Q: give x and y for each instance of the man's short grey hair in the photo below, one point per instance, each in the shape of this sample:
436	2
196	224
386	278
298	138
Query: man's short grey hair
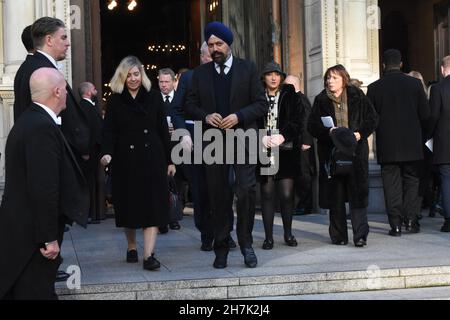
84	88
446	62
167	71
43	27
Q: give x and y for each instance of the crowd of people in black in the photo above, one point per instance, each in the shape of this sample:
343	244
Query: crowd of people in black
59	147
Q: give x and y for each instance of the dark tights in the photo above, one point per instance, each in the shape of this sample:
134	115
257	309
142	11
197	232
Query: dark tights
285	191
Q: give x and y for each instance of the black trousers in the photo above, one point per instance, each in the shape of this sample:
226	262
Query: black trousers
220	201
338	215
401	191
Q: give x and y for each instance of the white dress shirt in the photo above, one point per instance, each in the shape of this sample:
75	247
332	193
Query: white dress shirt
170	95
228	64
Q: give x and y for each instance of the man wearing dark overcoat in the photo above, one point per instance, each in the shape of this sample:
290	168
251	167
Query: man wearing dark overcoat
403	110
44	190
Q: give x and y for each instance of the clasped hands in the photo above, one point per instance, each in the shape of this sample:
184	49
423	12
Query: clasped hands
273	141
216	120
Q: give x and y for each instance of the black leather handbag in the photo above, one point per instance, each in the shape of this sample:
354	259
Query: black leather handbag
341	164
175	207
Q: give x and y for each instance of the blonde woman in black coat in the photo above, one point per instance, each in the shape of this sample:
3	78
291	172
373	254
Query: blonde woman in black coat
349	108
136	143
284	122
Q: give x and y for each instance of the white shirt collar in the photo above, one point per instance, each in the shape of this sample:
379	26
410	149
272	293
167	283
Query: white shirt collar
92	102
171	95
228	64
49	57
55	118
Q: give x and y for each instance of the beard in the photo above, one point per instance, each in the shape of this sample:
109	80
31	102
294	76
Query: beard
219	57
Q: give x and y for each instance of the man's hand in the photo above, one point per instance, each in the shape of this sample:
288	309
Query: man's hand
186	143
106	160
171	170
214	120
86	157
306	147
229	122
357	136
51	250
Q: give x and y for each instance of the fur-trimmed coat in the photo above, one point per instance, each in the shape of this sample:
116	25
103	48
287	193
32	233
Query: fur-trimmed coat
362	118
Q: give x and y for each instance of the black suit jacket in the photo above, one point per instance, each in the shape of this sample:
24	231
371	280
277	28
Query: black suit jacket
44	189
75	123
95	122
402	106
247	97
179	100
440	121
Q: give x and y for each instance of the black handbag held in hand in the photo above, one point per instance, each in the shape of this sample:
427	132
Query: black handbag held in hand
341	164
175	207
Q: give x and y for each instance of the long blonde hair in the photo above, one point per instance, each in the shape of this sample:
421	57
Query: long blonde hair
120	76
418	75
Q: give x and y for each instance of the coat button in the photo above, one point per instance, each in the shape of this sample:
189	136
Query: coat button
145	131
131	147
147	145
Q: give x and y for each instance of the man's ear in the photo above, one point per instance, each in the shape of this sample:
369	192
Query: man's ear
401	65
48	40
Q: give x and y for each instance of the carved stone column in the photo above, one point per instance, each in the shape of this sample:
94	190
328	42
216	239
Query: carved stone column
17	14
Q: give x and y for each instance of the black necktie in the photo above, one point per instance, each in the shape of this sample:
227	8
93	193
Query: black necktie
222	69
167	101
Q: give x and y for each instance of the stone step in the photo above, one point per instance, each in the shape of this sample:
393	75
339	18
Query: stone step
266	286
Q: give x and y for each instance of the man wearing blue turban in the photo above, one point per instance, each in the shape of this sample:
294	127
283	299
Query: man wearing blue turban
227	94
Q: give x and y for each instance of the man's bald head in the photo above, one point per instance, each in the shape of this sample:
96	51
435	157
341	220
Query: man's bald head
48	87
294	80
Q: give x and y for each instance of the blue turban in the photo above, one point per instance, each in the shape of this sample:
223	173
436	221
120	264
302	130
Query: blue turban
219	30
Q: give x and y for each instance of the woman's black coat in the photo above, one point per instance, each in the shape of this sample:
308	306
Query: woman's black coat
290	124
137	137
362	118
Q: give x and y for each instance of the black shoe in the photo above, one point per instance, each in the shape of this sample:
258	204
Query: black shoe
360	243
151	263
231	243
62	276
249	257
340	243
395	232
290	241
221	258
132	256
174	225
163	229
206	246
446	226
268	244
302	211
413	226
